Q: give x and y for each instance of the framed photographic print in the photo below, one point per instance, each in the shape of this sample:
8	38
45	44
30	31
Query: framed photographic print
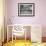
26	9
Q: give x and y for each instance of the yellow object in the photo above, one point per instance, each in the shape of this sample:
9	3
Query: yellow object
18	43
23	43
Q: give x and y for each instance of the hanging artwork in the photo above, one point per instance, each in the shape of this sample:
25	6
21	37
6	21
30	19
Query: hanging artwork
26	9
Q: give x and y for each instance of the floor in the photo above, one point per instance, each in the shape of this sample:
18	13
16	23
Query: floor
18	43
23	43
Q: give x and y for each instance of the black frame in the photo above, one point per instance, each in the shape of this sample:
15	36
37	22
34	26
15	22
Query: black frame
26	15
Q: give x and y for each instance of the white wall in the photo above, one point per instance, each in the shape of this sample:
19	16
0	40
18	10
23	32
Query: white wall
1	20
40	13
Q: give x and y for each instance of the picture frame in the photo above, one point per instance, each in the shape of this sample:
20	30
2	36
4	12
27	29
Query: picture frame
26	9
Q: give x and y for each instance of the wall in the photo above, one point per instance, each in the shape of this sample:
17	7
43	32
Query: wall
1	20
39	18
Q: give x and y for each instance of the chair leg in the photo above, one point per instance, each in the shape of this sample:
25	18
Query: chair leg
2	44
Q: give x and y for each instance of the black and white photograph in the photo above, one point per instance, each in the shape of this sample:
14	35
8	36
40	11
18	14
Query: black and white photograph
26	9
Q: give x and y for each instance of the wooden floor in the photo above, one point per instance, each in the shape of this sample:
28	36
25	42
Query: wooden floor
18	43
23	43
